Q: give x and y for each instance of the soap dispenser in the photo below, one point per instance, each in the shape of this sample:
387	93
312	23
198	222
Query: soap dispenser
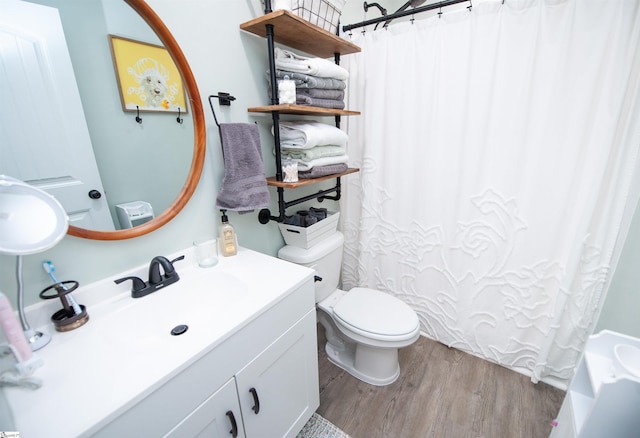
228	240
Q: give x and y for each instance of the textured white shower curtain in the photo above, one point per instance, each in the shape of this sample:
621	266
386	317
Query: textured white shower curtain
498	150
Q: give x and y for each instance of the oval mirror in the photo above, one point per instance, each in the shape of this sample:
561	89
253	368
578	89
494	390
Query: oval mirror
151	156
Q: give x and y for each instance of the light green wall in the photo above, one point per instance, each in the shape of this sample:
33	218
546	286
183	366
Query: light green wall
621	310
223	58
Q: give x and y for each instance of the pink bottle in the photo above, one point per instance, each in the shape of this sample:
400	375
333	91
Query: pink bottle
12	329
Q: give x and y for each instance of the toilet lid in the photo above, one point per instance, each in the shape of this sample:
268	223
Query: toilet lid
376	312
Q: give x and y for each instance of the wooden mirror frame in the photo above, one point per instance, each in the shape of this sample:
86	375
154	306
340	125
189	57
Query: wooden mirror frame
152	19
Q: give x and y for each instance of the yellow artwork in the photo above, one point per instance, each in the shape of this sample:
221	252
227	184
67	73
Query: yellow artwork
148	79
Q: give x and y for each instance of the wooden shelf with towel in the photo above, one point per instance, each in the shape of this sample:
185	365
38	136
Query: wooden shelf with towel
302	35
272	181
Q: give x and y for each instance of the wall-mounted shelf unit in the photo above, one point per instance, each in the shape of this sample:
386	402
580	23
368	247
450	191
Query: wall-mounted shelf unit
297	33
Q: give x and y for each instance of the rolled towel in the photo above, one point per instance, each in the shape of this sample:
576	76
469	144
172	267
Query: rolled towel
320	171
305	134
322	68
244	186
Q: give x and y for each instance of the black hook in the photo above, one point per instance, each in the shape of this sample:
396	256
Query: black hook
178	119
138	119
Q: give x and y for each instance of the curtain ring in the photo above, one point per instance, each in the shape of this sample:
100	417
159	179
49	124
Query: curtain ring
440	12
470	6
178	119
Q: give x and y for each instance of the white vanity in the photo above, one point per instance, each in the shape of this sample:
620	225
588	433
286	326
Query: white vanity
247	365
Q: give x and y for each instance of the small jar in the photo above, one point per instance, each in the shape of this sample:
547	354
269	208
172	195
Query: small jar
286	91
290	171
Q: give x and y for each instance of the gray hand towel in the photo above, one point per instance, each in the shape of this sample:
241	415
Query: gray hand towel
244	186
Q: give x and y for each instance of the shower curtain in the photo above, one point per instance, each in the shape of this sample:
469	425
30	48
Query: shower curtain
498	150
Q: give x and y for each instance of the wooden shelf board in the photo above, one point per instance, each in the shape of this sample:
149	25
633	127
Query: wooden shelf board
303	110
297	33
271	181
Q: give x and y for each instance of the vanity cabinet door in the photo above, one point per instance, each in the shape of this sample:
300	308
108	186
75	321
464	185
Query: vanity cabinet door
217	417
278	390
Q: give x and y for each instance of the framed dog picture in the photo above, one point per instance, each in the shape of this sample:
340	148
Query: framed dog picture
148	79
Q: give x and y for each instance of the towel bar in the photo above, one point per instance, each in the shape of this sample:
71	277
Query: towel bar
264	216
224	99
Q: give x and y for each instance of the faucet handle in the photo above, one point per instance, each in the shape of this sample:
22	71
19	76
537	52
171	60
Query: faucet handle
171	271
177	259
137	283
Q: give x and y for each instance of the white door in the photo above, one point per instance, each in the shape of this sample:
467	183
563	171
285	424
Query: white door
218	417
44	138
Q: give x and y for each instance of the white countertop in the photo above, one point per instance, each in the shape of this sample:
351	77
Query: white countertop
125	351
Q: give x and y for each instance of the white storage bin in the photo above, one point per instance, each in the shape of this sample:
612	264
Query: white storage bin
306	237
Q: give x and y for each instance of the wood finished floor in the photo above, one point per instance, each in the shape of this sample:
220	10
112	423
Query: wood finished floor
443	393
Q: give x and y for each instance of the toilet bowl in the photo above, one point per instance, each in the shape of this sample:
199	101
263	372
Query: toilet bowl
364	327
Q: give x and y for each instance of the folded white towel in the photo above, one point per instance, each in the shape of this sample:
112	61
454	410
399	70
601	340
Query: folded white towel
322	68
305	134
304	166
314	153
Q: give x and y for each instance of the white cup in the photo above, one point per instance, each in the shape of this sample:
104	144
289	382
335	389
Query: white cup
206	252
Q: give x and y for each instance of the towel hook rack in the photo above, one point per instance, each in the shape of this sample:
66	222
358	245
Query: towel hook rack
224	99
179	119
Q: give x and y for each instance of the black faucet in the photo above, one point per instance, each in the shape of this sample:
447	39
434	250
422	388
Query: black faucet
157	280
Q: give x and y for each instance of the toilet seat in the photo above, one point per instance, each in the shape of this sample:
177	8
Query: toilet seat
376	315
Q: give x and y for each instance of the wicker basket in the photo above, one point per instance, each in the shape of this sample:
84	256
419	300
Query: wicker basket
322	13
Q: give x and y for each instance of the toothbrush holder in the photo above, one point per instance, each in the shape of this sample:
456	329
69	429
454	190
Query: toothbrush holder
65	319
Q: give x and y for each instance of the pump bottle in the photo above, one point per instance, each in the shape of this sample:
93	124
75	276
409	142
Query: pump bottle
228	240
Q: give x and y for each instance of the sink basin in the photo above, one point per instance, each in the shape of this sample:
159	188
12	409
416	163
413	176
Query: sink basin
627	359
146	323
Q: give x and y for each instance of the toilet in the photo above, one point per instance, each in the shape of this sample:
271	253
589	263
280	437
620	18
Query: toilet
364	327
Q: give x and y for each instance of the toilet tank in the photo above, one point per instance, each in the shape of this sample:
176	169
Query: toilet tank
325	258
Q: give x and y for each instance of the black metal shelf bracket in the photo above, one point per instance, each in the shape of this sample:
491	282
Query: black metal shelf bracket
264	216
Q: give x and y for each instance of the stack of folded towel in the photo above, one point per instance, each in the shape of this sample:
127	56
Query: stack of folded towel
318	148
319	82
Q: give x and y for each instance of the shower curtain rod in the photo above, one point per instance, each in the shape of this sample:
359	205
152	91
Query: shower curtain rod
404	13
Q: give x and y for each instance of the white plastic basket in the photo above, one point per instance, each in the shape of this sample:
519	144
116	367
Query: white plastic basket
306	237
